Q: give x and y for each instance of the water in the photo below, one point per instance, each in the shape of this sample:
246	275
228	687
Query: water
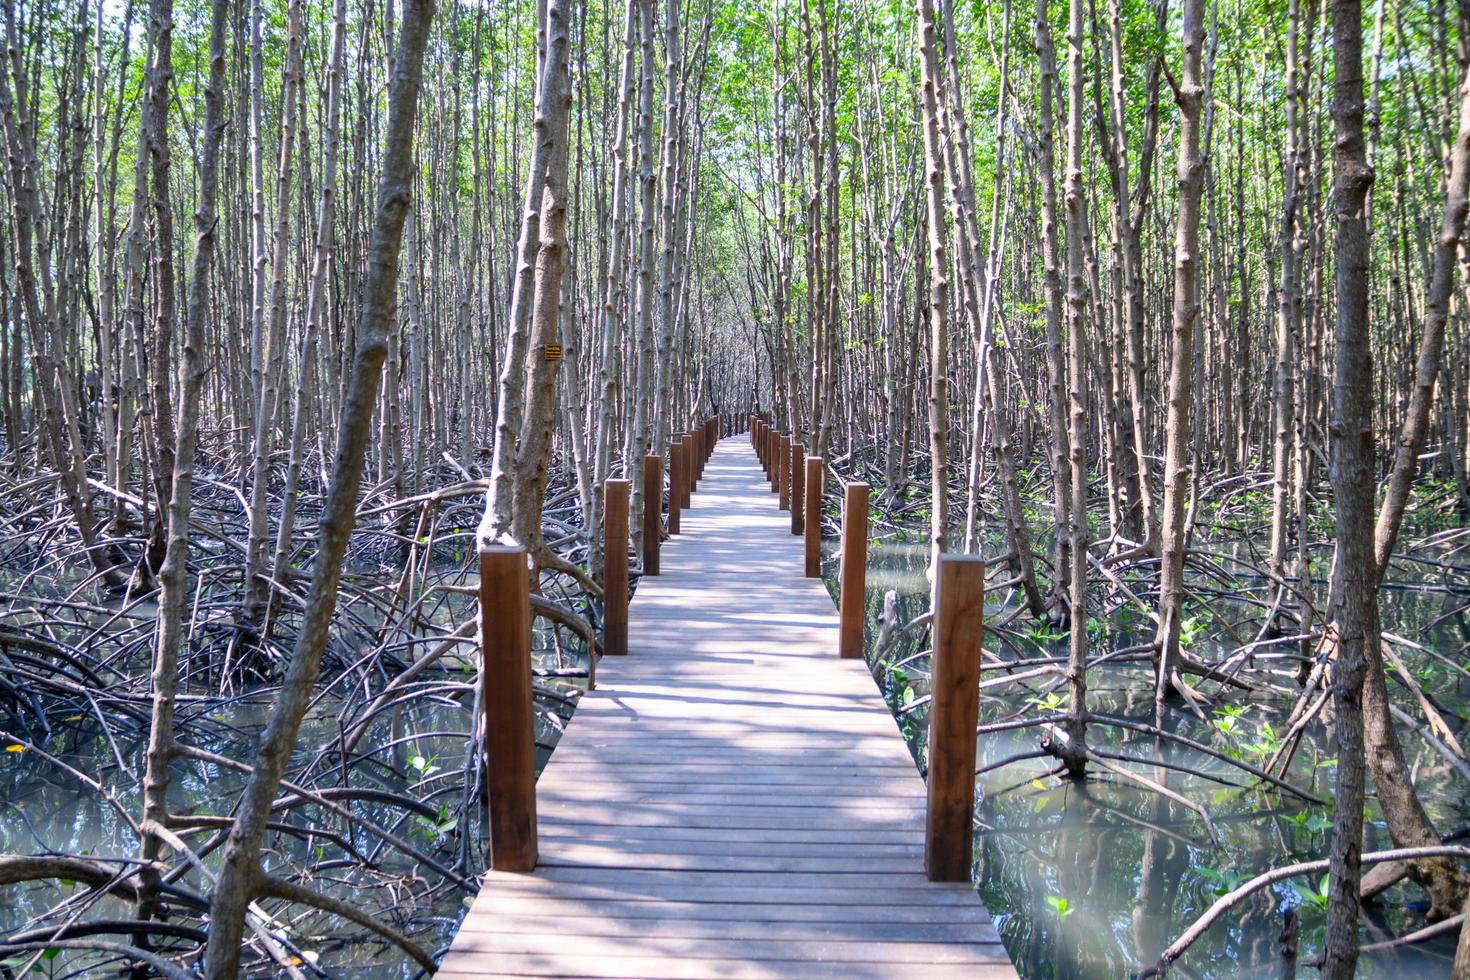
1086	880
415	752
1095	879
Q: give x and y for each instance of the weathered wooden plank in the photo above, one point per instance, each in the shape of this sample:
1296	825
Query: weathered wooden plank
846	861
624	878
797	832
704	771
750	949
492	906
704	799
678	890
767	930
811	793
612	843
673	968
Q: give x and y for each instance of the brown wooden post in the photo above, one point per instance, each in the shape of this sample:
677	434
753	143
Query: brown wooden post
686	449
852	573
615	567
678	473
505	676
798	485
813	521
653	504
773	448
760	447
695	453
959	604
783	472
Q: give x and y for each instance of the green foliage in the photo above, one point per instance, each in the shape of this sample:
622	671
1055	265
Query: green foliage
1222	882
1227	718
1051	702
435	828
1314	897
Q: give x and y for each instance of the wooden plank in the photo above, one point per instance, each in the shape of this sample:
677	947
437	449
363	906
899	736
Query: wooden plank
551	943
673	968
794	832
689	798
561	849
490	906
732	800
690	928
915	897
573	781
849	861
557	848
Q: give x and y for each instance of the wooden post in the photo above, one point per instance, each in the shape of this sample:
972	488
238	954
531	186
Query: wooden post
798	485
694	456
783	472
959	604
686	449
615	567
678	473
813	519
760	447
773	449
653	504
852	573
505	677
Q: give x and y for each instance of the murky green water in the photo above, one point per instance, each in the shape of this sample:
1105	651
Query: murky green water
1095	879
1086	880
416	752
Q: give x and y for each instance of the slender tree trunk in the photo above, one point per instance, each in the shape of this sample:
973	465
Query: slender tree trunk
1191	96
1353	608
1056	362
273	355
316	304
173	576
931	78
1076	436
533	454
240	875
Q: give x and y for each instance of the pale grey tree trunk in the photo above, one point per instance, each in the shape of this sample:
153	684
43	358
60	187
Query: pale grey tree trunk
240	875
1191	95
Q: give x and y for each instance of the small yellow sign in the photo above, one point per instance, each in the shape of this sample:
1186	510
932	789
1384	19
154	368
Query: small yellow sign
553	352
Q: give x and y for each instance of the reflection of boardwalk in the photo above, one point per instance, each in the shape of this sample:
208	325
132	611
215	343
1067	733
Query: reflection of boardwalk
733	800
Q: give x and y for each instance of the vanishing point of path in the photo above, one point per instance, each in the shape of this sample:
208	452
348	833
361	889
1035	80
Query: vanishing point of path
732	800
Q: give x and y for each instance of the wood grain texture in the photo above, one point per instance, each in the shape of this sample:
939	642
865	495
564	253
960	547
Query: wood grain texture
615	567
852	574
505	644
959	608
733	800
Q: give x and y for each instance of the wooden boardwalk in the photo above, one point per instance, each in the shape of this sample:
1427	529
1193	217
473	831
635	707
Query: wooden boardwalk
733	800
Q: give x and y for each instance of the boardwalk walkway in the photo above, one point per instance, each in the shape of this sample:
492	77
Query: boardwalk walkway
732	800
